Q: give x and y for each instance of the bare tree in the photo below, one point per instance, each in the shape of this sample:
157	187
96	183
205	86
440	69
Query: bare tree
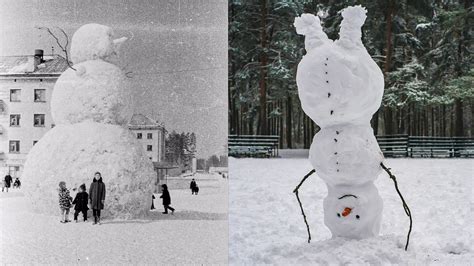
63	47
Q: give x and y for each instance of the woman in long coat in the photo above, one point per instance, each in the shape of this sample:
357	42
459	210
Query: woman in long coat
97	196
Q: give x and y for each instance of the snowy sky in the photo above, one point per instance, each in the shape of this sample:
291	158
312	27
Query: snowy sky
178	54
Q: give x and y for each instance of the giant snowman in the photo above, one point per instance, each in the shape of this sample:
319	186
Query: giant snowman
340	88
91	106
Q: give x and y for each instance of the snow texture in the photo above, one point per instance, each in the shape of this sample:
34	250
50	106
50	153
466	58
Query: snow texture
197	233
365	211
266	225
97	91
340	88
94	41
73	153
89	106
346	154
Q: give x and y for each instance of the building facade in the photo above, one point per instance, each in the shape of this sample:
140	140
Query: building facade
26	85
151	135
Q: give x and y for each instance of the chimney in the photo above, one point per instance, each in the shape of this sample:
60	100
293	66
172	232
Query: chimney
38	57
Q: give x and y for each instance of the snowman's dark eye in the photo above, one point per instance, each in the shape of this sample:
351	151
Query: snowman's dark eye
357	216
338	215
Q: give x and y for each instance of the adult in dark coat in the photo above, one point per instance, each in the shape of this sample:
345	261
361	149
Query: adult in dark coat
97	196
193	186
166	199
8	181
80	201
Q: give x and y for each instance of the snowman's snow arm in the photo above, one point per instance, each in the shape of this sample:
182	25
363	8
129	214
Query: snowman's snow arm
299	201
309	25
405	206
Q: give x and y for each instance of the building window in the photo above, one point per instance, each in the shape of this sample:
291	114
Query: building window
149	147
15	95
34	142
3	107
40	95
14	120
149	135
139	135
14	146
38	120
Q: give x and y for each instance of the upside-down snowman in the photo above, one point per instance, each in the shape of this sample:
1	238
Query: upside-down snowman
91	106
340	88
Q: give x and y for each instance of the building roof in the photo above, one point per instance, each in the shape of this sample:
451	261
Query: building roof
140	121
19	66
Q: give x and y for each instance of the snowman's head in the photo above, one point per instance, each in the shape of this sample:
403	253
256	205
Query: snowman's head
94	41
353	212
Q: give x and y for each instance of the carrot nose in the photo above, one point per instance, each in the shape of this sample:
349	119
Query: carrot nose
346	211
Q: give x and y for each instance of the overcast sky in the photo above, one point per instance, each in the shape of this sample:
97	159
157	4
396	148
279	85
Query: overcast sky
178	54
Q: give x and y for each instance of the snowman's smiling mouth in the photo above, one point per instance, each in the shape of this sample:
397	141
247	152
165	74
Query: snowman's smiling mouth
348	195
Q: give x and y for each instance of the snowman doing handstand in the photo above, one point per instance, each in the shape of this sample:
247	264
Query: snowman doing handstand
340	88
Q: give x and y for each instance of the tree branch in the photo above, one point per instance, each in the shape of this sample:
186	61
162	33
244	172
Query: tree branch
63	48
301	206
405	206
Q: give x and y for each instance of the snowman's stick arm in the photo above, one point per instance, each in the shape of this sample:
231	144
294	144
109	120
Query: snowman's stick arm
405	206
301	205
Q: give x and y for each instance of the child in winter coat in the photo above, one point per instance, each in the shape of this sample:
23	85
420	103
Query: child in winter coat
80	201
64	202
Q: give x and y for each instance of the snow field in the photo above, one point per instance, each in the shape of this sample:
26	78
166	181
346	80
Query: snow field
196	234
266	225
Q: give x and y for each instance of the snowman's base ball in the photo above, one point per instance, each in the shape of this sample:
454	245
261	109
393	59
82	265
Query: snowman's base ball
73	153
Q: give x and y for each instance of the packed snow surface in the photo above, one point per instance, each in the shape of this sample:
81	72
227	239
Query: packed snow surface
197	233
338	82
346	154
94	41
266	225
89	105
340	87
73	153
96	91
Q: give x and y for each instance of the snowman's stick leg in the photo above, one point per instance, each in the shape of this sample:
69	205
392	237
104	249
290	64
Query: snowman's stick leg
301	206
405	206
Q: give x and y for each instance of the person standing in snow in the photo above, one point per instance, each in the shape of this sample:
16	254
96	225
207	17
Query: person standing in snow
194	188
97	196
80	202
17	183
166	199
64	202
8	181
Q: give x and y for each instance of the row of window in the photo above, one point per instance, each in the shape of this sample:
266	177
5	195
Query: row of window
39	95
38	120
148	135
15	146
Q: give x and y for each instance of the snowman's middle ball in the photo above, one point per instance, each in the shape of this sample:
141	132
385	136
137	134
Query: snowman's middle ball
96	91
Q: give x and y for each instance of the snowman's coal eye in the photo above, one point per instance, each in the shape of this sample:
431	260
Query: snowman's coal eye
338	215
357	216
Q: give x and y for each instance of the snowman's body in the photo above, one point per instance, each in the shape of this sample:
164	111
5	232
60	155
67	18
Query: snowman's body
91	107
340	88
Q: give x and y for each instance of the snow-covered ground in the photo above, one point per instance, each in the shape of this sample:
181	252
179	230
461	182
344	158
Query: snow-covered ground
196	234
266	225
